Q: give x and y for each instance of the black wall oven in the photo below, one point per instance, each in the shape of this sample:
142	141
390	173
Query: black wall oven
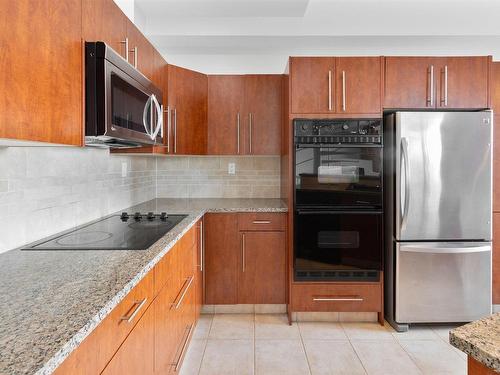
338	217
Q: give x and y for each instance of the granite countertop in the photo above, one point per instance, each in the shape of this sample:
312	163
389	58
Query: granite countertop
51	300
480	340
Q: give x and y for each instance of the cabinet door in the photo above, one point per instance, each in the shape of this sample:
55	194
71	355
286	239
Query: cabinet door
463	82
496	164
189	121
199	252
103	20
262	114
496	258
495	87
410	82
221	258
262	270
41	71
135	356
225	128
359	85
312	84
140	49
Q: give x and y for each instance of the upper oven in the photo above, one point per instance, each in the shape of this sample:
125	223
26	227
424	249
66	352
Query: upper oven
123	108
338	163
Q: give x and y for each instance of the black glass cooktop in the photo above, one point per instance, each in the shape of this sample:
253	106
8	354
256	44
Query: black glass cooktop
117	232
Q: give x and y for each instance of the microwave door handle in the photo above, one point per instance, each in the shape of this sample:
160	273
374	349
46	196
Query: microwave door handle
159	117
145	116
404	155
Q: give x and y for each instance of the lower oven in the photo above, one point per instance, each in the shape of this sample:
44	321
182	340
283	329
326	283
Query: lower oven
338	245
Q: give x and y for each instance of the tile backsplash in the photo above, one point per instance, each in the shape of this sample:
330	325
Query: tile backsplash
208	177
45	190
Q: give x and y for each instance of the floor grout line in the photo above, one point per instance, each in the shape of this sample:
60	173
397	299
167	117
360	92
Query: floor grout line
206	343
353	348
304	348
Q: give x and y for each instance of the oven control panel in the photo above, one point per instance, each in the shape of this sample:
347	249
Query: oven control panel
326	131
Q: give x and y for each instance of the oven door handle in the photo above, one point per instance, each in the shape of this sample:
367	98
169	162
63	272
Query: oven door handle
339	212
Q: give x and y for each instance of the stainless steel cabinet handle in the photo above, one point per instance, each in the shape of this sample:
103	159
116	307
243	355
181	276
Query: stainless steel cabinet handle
250	118
329	90
183	348
404	210
126	47
202	246
243	252
431	85
138	305
261	222
343	91
135	51
167	111
238	131
188	283
328	299
175	130
446	85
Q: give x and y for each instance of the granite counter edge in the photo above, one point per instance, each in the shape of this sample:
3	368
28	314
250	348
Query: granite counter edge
475	352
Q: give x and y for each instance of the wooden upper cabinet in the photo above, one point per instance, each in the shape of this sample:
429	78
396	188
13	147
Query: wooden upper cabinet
221	258
103	20
436	82
495	87
225	105
358	82
262	270
141	50
188	101
463	82
41	71
136	354
262	114
312	84
408	82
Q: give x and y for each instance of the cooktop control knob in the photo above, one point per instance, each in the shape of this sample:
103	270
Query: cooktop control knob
151	216
137	216
345	127
124	216
163	216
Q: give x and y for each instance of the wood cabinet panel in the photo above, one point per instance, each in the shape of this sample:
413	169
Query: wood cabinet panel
225	99
496	163
145	50
358	82
467	81
136	355
199	252
41	67
262	114
262	221
321	297
407	82
103	20
221	258
262	275
312	84
477	368
496	258
495	87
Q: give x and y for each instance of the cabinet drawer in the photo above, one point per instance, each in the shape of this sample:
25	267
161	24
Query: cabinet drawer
262	221
99	347
337	297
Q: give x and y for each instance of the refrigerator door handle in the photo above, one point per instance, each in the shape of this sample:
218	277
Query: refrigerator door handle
445	249
404	208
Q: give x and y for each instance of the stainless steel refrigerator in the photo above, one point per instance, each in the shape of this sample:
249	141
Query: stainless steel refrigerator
438	198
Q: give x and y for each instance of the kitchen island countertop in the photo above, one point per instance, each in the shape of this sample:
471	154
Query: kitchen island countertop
54	299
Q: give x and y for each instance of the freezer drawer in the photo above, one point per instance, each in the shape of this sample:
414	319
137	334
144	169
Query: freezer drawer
442	282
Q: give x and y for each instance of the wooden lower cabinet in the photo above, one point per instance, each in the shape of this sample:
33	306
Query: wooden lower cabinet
477	368
496	258
245	266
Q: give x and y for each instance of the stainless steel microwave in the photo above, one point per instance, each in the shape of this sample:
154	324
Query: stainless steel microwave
123	108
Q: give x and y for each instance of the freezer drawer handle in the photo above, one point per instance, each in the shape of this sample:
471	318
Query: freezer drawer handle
445	249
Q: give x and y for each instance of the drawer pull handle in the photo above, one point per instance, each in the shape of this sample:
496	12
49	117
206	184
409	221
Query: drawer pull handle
262	221
329	299
183	348
138	305
188	283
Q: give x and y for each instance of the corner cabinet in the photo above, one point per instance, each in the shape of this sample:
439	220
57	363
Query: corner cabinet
336	85
245	258
437	82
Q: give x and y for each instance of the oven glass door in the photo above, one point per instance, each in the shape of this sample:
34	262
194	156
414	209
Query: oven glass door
338	176
133	111
338	245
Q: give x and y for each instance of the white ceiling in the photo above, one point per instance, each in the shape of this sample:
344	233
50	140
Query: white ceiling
238	36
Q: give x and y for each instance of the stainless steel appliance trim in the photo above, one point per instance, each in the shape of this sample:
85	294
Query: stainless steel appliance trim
445	248
250	128
189	281
343	91
404	155
126	47
327	299
329	90
138	305
238	131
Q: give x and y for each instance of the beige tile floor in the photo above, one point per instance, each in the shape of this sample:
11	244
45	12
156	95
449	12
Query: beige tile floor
264	344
